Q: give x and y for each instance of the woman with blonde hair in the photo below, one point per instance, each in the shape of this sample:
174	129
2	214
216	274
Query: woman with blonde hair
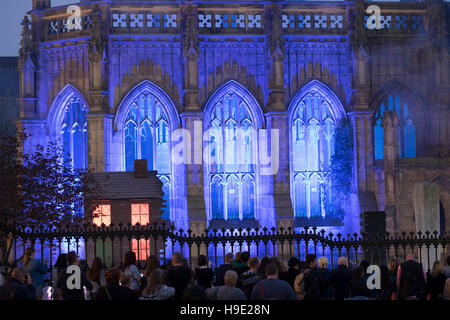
36	270
324	279
436	282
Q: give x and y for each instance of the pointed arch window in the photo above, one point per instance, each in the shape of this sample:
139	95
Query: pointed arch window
74	132
406	128
147	136
231	167
312	135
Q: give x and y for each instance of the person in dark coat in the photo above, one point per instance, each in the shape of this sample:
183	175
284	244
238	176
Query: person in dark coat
312	290
241	265
113	290
340	280
227	266
179	276
18	287
436	282
203	273
411	281
73	294
293	271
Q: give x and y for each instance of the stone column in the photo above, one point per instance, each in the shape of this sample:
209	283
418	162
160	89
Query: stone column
192	119
29	121
193	173
361	121
426	213
99	120
276	205
390	136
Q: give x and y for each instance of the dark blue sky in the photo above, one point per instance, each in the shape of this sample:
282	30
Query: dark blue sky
11	14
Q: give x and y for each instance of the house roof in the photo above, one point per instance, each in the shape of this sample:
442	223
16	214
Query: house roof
124	185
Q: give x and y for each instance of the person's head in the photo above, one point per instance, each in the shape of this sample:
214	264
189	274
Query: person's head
363	266
244	256
253	263
72	258
95	270
29	254
262	267
202	261
125	279
238	256
129	259
293	263
272	270
343	261
437	269
283	266
112	276
196	292
277	263
393	266
19	275
311	260
410	257
61	262
177	259
152	264
155	281
230	278
323	263
229	258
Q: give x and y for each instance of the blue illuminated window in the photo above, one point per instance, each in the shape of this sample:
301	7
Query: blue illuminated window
231	168
406	128
74	133
146	136
312	134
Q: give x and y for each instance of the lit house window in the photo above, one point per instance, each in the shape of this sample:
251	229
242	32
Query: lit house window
102	215
140	214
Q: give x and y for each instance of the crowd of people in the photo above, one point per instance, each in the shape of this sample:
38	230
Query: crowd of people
241	277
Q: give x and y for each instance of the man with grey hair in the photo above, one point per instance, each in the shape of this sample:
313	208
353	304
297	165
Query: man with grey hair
340	279
229	290
18	287
411	279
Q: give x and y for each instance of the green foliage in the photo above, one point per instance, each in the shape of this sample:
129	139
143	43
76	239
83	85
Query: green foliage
341	169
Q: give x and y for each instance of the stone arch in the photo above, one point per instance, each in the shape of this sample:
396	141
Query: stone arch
252	112
336	105
395	86
319	72
232	85
416	108
55	115
146	70
146	85
231	71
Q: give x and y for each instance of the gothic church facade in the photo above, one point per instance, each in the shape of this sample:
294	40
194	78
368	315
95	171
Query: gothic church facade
264	82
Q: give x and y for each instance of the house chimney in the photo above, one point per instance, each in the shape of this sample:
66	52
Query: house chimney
140	169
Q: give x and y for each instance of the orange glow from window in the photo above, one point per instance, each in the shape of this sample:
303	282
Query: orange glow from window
140	214
102	215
